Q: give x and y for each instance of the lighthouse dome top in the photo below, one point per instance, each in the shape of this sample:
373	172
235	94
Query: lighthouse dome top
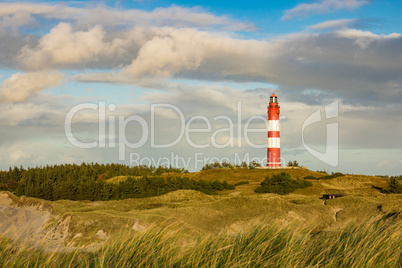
273	98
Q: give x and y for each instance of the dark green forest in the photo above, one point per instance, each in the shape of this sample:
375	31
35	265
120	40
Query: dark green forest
88	182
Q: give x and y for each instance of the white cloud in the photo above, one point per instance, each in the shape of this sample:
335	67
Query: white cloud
172	51
341	23
20	86
145	51
170	16
364	38
63	46
322	6
169	52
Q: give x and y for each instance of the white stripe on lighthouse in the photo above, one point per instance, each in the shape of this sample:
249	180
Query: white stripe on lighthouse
273	125
274	142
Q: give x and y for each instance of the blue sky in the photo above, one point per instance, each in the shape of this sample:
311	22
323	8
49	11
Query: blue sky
381	17
203	58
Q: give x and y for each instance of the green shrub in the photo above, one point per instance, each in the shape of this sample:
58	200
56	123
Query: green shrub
241	183
281	184
254	164
228	186
293	164
309	177
326	177
217	165
394	186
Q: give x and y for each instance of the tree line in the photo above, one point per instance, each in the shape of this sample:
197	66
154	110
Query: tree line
89	182
226	165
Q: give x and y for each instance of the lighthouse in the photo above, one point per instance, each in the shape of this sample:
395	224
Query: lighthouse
274	145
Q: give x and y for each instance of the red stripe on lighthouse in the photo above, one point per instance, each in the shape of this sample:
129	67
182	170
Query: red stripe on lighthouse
273	134
274	113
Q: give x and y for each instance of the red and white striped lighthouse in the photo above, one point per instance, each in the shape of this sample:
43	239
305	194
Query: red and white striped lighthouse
274	144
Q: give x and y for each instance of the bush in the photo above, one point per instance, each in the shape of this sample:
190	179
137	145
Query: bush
254	164
394	186
241	183
309	177
333	176
281	184
326	177
217	165
293	164
228	186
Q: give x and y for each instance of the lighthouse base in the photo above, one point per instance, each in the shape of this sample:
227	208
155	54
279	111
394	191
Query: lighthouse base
273	156
273	164
280	167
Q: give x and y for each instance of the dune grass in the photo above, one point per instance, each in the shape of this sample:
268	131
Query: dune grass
375	242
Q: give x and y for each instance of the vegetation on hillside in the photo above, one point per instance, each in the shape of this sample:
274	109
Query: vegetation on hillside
325	177
190	229
254	164
241	183
9	180
293	164
88	182
216	165
281	184
226	165
146	187
394	186
397	177
371	243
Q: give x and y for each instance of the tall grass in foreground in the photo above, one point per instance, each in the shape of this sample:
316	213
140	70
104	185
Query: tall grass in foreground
373	243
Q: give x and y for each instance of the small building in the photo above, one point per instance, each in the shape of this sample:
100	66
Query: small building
331	196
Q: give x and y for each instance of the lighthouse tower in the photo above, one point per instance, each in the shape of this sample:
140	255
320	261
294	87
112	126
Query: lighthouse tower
274	145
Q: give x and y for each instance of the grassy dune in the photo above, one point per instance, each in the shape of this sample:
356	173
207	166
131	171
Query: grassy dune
372	243
237	228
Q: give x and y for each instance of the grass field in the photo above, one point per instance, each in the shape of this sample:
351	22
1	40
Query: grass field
371	243
237	228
